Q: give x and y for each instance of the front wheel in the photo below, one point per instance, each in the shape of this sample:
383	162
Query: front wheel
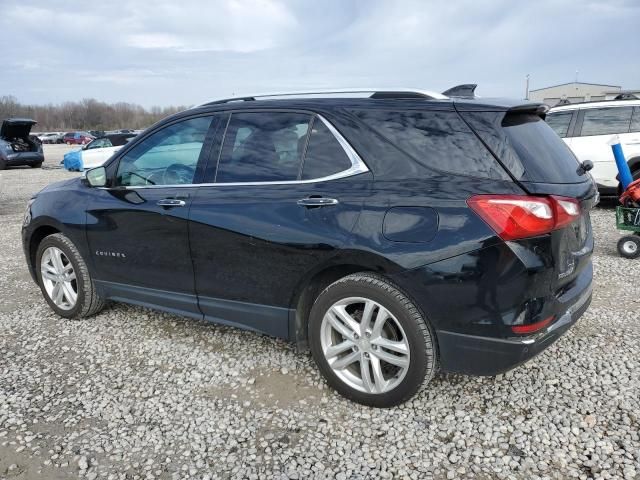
370	341
629	246
64	278
36	165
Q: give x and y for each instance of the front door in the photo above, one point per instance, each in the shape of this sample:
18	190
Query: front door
271	215
138	228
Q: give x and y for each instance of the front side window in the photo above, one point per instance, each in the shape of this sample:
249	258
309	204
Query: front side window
606	121
99	143
167	157
559	122
263	147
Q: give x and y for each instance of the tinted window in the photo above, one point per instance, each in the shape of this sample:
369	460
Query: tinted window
635	120
545	157
559	122
605	121
263	147
325	156
167	157
439	140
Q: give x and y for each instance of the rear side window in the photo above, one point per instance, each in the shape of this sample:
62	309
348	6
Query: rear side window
325	156
263	147
559	122
439	140
527	146
606	121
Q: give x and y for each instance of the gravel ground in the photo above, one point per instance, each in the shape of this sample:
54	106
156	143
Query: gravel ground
133	393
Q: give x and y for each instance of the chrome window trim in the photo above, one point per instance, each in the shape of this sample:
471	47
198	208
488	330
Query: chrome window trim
357	167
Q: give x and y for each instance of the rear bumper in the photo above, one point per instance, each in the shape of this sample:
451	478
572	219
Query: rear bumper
477	355
24	158
608	191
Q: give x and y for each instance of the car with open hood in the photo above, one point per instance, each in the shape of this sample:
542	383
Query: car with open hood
17	147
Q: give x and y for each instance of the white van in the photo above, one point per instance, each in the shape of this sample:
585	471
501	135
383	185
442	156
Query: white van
587	128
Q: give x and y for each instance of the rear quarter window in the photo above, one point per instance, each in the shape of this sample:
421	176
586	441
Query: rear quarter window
435	139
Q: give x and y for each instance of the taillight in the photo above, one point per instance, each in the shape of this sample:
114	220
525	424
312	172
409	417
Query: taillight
521	216
532	327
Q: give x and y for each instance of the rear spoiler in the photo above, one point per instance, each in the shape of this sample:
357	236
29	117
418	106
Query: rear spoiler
539	109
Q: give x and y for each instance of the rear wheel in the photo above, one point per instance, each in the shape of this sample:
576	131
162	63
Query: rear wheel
3	165
36	165
629	246
370	341
64	278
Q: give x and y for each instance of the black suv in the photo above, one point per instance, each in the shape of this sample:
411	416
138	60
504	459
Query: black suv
392	234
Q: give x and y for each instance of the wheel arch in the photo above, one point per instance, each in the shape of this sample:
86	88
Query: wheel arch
36	237
310	287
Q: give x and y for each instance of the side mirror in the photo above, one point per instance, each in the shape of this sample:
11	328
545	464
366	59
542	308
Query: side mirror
96	177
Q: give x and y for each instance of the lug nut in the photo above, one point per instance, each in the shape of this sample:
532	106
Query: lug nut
368	334
366	355
375	347
356	336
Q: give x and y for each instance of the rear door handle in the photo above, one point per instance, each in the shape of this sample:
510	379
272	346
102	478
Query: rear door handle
171	202
317	202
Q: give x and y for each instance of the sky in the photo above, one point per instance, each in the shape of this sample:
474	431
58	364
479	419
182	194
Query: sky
185	52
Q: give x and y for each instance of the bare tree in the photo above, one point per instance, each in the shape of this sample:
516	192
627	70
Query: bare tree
87	114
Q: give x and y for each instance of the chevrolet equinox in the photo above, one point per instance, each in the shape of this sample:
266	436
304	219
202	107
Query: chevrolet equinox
392	233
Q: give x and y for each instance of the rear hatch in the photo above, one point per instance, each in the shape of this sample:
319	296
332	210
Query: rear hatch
16	128
540	162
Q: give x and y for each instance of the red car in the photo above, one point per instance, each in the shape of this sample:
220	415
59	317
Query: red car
77	138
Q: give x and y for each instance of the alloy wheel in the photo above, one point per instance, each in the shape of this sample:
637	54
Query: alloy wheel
365	345
59	278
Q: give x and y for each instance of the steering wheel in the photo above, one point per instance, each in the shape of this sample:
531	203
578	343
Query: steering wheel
178	174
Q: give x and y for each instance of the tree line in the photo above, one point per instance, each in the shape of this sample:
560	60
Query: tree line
86	114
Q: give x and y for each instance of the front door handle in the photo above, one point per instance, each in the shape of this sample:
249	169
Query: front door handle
171	202
317	202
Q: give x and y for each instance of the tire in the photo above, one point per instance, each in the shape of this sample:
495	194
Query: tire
88	301
36	165
3	165
404	327
629	246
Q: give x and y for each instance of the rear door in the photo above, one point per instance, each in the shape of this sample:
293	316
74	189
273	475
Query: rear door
283	197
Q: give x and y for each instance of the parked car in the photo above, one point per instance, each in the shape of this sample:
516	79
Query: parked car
51	137
77	138
587	129
96	152
17	147
392	235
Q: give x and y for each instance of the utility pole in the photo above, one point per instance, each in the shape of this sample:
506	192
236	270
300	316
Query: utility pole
526	88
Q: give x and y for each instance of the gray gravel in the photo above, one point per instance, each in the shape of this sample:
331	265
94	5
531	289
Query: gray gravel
133	393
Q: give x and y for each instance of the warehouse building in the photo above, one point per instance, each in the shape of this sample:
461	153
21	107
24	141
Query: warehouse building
575	92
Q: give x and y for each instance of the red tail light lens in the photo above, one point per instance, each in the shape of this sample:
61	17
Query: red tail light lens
521	216
532	327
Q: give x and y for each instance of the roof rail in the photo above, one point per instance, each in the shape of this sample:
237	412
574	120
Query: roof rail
375	93
464	90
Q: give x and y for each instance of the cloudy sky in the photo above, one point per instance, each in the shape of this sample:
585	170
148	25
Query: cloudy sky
190	51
